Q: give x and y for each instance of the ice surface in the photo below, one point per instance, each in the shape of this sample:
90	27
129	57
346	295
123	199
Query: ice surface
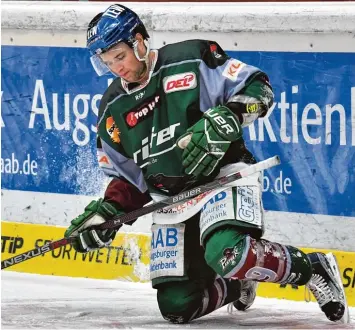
49	302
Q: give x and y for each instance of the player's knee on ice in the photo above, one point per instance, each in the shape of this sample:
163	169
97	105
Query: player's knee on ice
233	254
179	301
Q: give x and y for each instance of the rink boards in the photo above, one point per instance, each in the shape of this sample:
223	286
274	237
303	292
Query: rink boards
127	259
50	97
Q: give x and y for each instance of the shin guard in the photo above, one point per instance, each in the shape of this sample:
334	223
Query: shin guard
183	302
264	261
220	293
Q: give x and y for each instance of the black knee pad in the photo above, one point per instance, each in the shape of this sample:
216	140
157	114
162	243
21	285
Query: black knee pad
179	301
300	265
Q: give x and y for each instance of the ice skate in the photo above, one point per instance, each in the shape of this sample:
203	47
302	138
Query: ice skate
327	287
247	295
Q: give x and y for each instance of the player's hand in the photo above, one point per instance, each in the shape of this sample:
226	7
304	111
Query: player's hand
88	238
206	142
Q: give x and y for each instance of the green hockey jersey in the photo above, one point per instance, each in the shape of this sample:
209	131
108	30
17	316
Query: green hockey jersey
138	125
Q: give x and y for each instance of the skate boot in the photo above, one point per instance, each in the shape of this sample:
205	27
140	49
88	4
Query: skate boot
327	287
247	295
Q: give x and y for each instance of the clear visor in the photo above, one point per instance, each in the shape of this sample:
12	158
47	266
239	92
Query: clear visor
100	67
105	62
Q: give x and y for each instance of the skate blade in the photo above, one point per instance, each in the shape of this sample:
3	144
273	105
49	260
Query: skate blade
334	264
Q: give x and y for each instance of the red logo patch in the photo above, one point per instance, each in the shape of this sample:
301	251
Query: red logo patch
145	110
180	82
131	119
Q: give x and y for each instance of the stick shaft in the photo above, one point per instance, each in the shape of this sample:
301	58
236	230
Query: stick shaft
186	195
170	201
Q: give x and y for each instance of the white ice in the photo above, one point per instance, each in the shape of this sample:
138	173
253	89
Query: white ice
49	302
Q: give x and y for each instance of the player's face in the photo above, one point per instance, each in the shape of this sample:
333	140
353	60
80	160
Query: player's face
122	61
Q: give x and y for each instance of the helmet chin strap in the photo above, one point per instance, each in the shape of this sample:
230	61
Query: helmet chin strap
145	58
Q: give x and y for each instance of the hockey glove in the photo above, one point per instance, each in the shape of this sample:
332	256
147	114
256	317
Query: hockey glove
209	139
88	238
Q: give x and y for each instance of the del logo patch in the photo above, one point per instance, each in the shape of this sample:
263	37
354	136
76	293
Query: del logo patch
180	82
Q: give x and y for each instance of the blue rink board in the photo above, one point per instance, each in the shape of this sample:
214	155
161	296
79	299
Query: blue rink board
313	178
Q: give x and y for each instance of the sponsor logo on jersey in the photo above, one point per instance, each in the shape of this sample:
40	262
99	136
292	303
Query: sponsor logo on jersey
154	140
112	130
103	160
180	82
167	253
136	116
232	69
215	199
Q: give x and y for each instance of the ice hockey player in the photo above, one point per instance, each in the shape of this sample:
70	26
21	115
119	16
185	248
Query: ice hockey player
173	119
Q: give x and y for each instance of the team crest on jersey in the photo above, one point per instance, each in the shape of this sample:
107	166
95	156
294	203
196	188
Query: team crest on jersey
113	130
180	82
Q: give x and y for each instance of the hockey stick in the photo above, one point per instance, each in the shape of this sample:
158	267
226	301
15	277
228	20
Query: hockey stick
170	201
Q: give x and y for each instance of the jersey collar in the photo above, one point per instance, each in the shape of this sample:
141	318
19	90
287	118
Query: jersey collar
134	87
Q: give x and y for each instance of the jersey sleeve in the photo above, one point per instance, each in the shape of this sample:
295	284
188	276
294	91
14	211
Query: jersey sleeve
126	196
244	88
112	158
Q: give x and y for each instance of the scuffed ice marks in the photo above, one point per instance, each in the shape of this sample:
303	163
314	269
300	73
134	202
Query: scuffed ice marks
81	303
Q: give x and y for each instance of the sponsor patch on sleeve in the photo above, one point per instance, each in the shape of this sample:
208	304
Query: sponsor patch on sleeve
232	69
103	160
